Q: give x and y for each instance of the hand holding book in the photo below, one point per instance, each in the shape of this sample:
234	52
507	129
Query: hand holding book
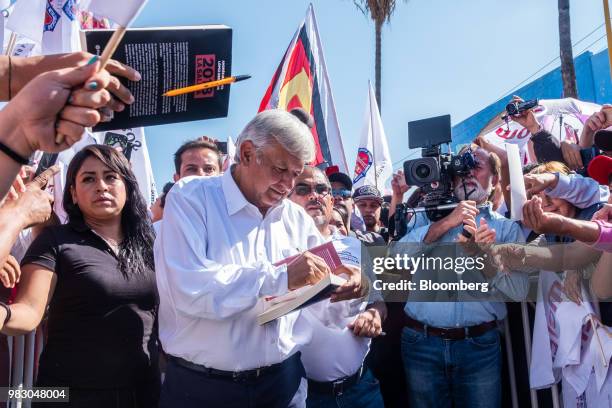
353	288
308	269
310	280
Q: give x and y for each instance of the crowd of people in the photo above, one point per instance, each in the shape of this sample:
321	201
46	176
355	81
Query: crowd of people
158	306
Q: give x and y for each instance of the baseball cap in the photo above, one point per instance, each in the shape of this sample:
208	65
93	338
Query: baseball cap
334	175
367	193
600	169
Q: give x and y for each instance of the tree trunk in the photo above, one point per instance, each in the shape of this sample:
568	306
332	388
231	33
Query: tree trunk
378	29
565	46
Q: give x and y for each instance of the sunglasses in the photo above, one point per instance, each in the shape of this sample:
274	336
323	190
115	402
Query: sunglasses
342	193
304	190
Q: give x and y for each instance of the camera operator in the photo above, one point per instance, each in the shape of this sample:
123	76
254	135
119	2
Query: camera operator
469	329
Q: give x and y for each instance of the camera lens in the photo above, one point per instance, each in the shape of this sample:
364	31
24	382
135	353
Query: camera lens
512	108
422	171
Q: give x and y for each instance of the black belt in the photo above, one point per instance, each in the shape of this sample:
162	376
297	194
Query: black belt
232	375
454	333
337	387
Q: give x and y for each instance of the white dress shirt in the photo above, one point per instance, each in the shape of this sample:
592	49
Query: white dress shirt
213	260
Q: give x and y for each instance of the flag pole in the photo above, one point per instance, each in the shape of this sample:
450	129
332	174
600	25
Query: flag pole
372	134
10	46
594	327
608	32
111	47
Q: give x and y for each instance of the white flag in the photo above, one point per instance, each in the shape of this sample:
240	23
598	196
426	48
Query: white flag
122	12
63	34
373	165
28	18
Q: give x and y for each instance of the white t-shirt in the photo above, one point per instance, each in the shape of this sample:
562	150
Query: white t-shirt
335	352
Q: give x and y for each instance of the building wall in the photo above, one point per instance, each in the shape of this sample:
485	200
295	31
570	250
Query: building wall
592	77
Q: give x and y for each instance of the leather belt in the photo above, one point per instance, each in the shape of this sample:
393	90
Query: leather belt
455	333
337	387
232	375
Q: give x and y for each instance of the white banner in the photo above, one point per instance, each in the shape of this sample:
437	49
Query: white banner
373	165
28	18
563	118
61	29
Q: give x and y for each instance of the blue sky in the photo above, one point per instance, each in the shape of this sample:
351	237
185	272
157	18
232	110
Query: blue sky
439	57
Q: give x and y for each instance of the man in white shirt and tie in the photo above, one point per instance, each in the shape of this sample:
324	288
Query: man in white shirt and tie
215	260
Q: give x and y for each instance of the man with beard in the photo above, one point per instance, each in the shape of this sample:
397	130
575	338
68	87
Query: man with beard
451	350
334	357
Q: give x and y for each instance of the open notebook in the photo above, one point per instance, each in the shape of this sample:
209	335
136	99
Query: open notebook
275	307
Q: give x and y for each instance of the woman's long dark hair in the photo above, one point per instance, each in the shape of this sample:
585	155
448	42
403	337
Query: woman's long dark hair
136	249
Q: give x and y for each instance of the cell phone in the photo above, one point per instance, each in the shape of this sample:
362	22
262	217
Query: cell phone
222	146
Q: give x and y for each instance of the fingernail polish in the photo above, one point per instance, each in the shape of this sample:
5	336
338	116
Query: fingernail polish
93	85
92	60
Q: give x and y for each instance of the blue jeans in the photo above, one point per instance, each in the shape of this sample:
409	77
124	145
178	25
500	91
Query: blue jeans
457	373
364	394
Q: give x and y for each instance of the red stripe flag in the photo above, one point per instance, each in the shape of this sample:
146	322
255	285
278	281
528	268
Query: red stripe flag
301	81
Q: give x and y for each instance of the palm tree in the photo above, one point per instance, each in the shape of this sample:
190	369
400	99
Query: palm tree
380	11
565	45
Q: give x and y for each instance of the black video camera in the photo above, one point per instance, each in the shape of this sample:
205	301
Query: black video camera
516	108
435	171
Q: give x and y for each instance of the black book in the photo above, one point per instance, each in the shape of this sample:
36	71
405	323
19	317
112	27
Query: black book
170	58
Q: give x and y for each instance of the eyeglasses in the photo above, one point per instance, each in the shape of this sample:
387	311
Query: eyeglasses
343	193
304	189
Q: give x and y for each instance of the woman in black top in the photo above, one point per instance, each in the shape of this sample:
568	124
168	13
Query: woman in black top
96	276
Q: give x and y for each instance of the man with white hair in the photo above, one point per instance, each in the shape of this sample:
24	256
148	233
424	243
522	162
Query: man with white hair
451	349
215	260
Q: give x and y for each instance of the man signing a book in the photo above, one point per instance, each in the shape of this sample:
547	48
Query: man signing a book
214	260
